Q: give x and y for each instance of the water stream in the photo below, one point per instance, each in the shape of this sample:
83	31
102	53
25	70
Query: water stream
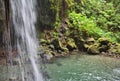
26	43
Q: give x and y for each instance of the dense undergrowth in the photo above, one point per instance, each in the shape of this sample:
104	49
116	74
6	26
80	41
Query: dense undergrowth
83	24
99	18
86	25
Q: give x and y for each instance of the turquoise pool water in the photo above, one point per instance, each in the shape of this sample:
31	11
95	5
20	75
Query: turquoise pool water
75	68
84	68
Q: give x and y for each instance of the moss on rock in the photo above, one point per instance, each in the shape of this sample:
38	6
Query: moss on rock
58	45
80	43
71	44
93	49
88	42
114	48
104	44
103	41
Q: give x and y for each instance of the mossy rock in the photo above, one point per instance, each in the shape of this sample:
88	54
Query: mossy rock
43	41
103	41
80	43
118	51
115	49
71	44
51	47
93	49
104	48
104	44
90	41
86	46
58	45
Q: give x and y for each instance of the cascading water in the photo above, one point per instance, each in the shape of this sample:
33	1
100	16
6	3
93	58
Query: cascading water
24	18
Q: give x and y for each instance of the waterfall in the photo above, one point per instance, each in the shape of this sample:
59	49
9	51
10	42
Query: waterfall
26	43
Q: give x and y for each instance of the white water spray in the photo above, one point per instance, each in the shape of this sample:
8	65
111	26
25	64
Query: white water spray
24	18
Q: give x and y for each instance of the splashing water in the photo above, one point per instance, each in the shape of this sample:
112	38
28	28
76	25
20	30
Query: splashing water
24	18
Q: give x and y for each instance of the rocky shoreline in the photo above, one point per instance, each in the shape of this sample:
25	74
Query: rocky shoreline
59	47
49	50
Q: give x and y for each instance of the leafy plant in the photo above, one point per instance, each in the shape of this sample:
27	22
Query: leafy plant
55	34
82	23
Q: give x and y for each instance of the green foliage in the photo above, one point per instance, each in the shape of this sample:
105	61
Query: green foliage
55	34
70	3
82	23
98	18
105	12
56	6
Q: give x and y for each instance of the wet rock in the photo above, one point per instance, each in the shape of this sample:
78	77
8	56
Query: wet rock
103	41
90	41
93	49
51	47
103	48
48	56
114	48
58	45
104	44
80	43
42	41
86	46
41	54
71	44
101	45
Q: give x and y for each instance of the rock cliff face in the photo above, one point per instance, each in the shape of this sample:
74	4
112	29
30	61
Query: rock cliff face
47	12
46	15
51	11
1	21
1	15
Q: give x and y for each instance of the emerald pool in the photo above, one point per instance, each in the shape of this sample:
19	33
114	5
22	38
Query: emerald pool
84	68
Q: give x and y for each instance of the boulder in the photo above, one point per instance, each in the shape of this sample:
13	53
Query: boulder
58	45
43	41
80	43
103	41
104	44
51	47
93	49
48	57
71	44
114	48
90	41
104	48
